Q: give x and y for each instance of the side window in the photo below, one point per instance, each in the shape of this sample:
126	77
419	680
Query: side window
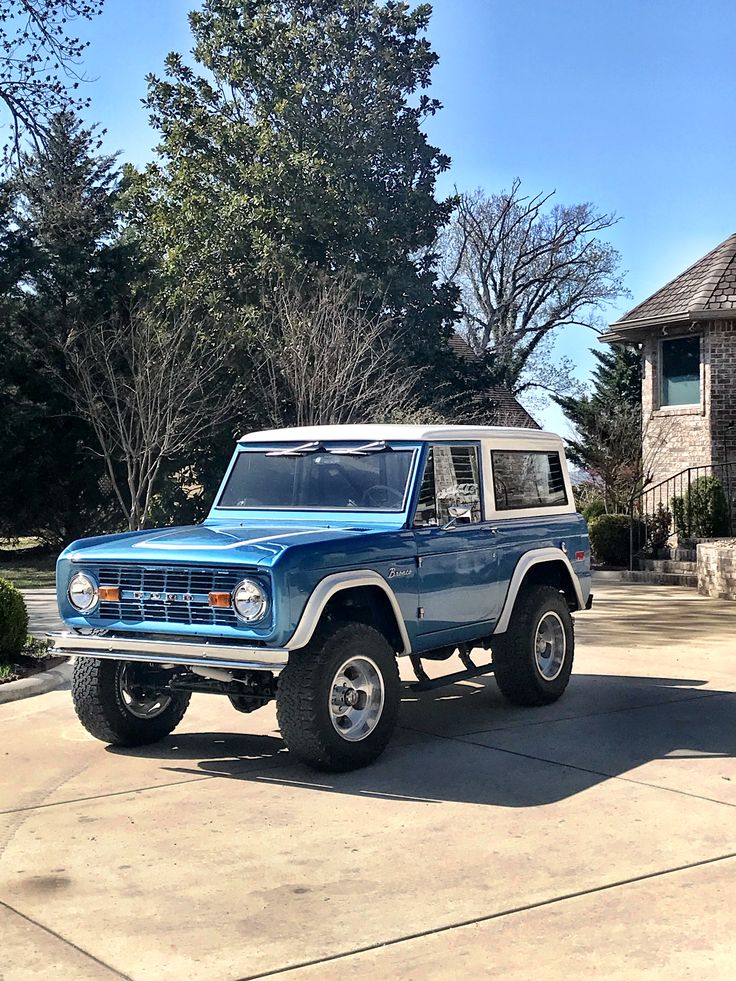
451	479
426	513
527	480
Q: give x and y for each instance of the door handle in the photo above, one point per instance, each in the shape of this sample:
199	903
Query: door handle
493	531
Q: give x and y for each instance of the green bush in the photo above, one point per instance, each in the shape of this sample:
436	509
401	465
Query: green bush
610	539
702	511
13	620
660	527
594	509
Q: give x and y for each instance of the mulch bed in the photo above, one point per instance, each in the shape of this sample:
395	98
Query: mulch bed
24	667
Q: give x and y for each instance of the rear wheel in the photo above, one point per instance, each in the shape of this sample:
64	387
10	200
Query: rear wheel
114	704
533	659
338	698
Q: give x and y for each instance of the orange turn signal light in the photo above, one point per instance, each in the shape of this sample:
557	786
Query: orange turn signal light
110	594
220	599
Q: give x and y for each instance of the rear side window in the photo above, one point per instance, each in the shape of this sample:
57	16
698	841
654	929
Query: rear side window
450	480
524	479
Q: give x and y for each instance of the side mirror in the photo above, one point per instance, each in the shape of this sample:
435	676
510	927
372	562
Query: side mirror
458	513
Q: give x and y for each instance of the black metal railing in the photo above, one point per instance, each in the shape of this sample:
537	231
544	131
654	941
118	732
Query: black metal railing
698	502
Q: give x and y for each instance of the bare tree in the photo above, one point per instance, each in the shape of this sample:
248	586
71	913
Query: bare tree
146	382
326	356
40	63
524	272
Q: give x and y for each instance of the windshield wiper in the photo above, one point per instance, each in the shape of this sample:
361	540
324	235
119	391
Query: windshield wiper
379	446
313	447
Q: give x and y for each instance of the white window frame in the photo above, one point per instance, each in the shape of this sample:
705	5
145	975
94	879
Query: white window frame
524	446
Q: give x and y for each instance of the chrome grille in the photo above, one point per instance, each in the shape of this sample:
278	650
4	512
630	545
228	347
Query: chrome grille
167	594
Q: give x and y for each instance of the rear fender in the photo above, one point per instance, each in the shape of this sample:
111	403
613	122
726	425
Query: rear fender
535	559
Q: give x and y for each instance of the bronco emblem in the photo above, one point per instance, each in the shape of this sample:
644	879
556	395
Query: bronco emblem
394	573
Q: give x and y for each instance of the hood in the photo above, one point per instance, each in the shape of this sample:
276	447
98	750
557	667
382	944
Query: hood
206	544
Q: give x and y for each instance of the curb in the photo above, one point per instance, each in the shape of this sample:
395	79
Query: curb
37	684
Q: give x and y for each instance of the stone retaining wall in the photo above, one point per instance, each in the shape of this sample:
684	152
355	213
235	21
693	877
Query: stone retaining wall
717	569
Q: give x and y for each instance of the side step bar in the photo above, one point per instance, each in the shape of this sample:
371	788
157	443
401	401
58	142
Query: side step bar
429	684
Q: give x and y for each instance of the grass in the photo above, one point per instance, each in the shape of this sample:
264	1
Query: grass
21	563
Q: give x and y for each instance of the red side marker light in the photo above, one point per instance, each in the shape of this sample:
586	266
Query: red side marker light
579	556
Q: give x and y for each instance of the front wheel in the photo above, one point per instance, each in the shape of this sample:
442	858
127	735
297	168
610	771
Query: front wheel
114	704
338	698
533	659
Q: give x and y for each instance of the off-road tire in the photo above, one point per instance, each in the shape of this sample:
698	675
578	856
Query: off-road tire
515	664
102	711
304	691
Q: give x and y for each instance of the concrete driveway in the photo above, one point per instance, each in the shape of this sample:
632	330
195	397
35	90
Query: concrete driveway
593	837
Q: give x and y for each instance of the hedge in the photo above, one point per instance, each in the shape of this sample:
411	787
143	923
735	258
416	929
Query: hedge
13	620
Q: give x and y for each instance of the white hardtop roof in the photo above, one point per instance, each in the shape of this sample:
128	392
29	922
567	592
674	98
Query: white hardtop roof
402	433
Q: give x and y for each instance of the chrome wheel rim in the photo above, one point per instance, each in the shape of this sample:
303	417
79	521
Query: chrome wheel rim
356	699
550	645
139	701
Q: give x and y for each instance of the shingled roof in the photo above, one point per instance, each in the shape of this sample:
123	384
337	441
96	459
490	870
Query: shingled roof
705	291
508	408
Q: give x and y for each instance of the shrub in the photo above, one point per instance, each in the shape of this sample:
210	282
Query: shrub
660	527
594	509
702	512
13	620
610	538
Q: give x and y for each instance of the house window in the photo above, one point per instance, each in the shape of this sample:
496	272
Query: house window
527	480
680	371
450	480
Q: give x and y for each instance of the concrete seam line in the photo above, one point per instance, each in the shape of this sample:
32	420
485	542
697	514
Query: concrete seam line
527	907
35	684
573	766
199	778
585	769
595	715
69	943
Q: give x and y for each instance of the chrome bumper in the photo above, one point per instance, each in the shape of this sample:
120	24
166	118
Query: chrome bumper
171	652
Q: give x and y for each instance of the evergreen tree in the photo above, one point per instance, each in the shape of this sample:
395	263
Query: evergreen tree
608	426
64	266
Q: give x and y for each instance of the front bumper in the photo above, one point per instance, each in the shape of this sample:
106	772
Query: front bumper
145	649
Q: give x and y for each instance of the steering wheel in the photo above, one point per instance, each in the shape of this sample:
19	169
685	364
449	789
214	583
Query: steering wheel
383	496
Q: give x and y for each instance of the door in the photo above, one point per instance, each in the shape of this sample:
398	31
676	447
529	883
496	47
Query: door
457	555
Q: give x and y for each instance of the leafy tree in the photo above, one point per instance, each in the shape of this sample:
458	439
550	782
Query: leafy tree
524	271
39	63
63	266
608	426
297	146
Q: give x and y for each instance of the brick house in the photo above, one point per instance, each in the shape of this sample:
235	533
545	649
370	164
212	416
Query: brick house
686	332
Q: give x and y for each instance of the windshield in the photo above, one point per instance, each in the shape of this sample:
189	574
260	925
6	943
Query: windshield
354	477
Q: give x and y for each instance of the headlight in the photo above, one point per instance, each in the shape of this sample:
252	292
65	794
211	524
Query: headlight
82	592
249	601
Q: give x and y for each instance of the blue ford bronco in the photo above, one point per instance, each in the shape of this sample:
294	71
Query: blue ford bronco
330	551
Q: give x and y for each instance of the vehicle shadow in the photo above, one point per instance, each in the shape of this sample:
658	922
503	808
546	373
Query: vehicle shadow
464	744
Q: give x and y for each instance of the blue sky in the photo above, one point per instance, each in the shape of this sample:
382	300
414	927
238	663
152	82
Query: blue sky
625	103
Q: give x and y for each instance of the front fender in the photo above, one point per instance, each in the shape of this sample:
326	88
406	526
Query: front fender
326	589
